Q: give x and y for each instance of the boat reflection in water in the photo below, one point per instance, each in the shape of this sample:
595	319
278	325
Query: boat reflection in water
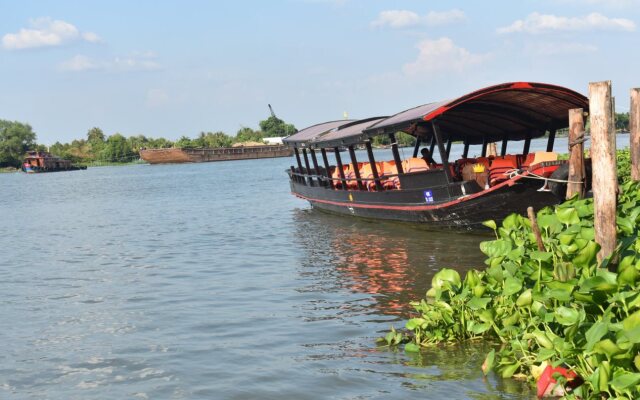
359	279
392	262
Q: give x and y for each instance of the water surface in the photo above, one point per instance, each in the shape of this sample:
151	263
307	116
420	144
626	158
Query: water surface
210	281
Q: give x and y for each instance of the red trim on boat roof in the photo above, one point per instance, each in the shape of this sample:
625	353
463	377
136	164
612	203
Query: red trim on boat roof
540	88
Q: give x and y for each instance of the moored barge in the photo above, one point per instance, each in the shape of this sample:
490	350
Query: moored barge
455	194
41	161
187	155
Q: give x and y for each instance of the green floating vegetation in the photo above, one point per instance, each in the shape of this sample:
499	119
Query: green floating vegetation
555	307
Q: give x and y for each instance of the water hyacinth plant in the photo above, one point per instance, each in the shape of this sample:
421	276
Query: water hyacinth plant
547	311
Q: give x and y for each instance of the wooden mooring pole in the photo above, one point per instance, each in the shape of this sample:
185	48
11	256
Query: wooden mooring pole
576	153
603	156
634	132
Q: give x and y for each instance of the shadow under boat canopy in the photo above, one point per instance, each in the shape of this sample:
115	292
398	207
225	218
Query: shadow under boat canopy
509	111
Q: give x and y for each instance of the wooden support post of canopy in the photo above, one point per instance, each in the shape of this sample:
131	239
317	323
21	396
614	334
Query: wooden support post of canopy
374	166
603	156
308	168
576	154
327	169
503	150
299	178
343	181
416	148
432	145
634	128
527	144
316	169
396	153
552	139
354	165
465	152
443	153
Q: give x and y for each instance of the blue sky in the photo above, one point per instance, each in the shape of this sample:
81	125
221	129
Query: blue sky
166	69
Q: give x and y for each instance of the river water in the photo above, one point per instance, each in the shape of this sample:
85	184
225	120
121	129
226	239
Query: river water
210	281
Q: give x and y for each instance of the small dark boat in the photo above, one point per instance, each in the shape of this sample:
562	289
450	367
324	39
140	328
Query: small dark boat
454	194
41	161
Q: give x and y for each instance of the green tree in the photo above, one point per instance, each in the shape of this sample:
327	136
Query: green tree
622	121
160	143
15	139
217	139
117	149
137	142
95	135
246	134
185	143
96	142
275	127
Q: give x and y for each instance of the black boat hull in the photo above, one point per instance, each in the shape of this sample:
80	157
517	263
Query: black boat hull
451	213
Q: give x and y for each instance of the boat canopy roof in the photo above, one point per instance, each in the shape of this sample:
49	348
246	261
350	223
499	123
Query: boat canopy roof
512	111
309	134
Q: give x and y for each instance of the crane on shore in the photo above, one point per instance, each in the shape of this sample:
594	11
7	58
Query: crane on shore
271	111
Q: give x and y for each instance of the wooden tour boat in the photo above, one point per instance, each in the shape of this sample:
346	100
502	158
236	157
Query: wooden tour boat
41	161
454	194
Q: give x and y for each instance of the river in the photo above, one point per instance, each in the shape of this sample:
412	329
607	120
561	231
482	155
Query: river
210	281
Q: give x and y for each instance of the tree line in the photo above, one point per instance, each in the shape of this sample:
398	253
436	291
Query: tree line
16	138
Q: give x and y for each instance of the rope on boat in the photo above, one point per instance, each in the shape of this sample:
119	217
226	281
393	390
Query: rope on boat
516	173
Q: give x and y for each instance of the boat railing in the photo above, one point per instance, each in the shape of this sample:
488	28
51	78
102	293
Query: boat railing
328	181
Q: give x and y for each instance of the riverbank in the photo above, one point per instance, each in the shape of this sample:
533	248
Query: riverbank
8	170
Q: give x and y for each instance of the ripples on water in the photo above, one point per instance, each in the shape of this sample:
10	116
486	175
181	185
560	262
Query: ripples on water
212	281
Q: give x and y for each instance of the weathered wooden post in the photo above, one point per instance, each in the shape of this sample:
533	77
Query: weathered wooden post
634	132
603	157
535	228
576	153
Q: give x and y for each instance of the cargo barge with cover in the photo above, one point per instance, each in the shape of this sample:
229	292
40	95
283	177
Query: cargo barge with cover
197	155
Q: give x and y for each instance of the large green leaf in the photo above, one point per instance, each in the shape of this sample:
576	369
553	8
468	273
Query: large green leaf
587	255
496	248
568	216
511	286
607	347
595	333
478	303
567	316
625	380
446	278
540	255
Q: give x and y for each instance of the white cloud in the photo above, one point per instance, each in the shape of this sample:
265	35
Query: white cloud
145	61
45	32
558	49
157	98
406	18
442	55
540	23
396	19
77	64
444	17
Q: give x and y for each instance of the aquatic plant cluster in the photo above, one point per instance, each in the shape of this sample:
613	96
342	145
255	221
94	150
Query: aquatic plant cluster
552	308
